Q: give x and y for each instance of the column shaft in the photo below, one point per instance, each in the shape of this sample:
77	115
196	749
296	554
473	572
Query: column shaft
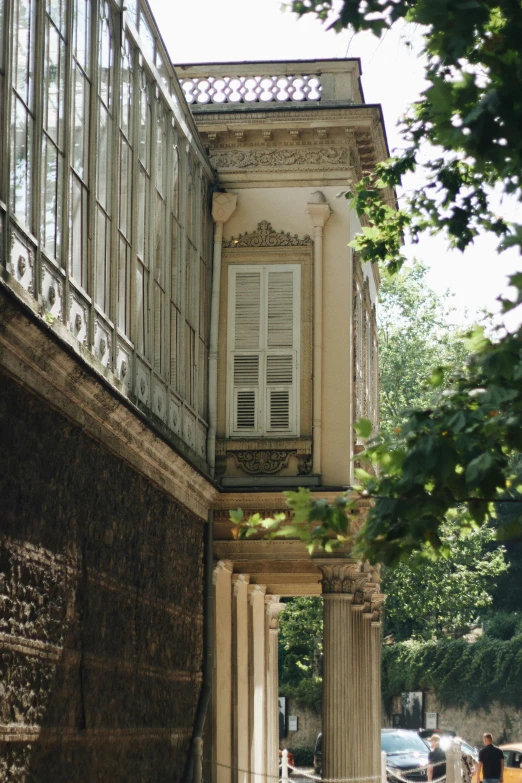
257	683
222	685
241	730
376	695
338	692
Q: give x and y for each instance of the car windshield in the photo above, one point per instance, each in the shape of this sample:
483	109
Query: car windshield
402	742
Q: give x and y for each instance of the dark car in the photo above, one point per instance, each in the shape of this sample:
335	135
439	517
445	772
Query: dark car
406	755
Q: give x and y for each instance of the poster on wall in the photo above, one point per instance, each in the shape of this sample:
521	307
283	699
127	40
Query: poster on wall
412	709
282	716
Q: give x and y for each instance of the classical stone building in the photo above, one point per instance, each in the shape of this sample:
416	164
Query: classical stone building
183	330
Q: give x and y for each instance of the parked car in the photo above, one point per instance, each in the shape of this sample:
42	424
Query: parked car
406	755
512	762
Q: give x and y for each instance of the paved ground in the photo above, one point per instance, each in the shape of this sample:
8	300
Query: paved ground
295	777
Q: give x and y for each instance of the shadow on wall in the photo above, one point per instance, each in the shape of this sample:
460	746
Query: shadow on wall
101	580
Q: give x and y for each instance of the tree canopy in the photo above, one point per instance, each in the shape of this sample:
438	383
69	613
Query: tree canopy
464	134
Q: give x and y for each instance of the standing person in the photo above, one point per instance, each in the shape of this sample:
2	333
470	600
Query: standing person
491	762
436	759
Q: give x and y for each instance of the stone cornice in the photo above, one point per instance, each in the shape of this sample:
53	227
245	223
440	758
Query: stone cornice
52	364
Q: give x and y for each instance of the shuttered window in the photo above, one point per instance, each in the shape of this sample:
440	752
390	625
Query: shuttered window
263	350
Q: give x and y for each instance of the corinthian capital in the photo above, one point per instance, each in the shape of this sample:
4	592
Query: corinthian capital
345	577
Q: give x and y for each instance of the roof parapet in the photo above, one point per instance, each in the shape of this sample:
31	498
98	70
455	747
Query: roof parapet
209	86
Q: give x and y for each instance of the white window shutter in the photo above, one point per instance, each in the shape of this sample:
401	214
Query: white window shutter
263	349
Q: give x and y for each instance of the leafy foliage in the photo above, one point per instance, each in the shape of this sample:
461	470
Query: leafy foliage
416	334
300	651
447	595
458	672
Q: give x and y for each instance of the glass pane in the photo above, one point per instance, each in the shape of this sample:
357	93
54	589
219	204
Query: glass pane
52	187
78	232
21	162
159	239
125	187
131	7
103	160
174	317
81	33
102	260
158	327
23	49
142	277
143	182
147	38
123	287
174	262
174	177
126	90
56	10
105	57
145	126
80	123
54	85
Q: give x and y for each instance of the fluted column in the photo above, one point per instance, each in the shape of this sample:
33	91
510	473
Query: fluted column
240	679
351	670
256	595
273	607
338	682
222	680
376	644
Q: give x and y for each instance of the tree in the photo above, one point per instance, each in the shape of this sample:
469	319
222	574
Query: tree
446	595
415	335
301	650
464	134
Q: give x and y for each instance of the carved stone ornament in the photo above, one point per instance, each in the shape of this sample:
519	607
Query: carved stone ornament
346	578
262	462
123	369
276	158
22	265
51	295
265	236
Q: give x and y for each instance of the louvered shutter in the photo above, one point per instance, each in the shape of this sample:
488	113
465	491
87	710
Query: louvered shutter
282	338
245	295
263	349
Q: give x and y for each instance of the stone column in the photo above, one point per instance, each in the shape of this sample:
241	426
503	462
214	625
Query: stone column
256	594
222	680
273	607
240	668
351	739
376	644
338	685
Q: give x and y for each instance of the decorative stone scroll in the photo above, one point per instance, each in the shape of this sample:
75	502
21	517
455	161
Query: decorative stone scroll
265	236
275	158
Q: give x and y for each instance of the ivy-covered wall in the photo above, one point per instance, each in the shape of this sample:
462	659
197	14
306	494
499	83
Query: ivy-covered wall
101	583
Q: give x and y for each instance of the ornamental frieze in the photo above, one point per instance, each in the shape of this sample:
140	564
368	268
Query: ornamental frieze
275	158
265	236
263	461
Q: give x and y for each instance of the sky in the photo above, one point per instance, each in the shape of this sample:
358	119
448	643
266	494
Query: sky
392	74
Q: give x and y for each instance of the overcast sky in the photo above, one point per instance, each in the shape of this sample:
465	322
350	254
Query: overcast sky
237	30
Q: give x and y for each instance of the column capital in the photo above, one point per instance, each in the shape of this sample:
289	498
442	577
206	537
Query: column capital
273	610
318	209
238	580
223	206
343	578
254	591
220	567
377	604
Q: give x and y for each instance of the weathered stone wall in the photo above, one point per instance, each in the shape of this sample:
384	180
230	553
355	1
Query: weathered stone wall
308	727
503	722
101	584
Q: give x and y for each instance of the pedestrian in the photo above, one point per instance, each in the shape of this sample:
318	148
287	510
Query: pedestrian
436	759
491	762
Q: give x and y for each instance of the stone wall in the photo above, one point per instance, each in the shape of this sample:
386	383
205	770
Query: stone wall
504	723
308	727
101	585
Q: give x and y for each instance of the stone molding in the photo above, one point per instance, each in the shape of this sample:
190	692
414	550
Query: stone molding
268	461
273	610
48	360
254	591
276	158
258	456
238	580
265	236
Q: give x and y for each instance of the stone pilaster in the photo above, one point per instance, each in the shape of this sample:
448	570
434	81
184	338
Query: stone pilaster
240	678
222	680
256	595
273	608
